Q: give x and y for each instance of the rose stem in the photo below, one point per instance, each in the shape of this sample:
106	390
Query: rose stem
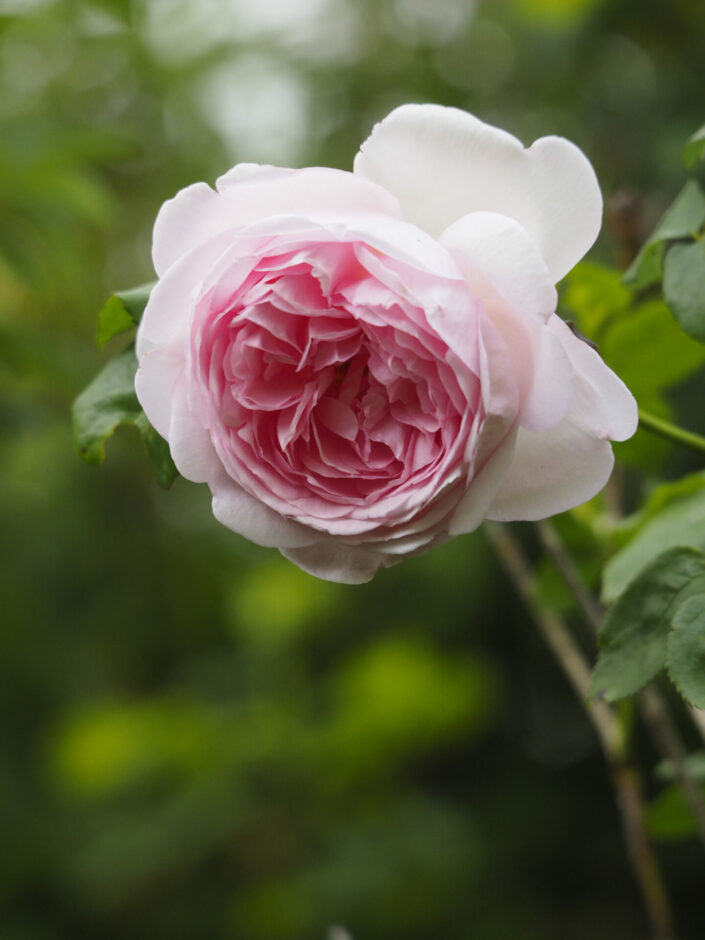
609	729
654	710
671	432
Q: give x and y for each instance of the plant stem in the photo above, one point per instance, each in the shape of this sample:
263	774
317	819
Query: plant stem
663	730
610	733
671	432
652	707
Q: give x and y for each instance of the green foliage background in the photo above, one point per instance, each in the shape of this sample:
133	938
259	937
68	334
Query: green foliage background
197	739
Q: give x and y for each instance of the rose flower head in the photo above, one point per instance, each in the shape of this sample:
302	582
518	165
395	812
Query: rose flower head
362	365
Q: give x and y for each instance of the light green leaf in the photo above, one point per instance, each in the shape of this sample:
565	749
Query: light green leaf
593	294
694	766
684	287
682	523
669	817
656	501
122	312
110	401
683	219
649	351
685	655
634	634
694	150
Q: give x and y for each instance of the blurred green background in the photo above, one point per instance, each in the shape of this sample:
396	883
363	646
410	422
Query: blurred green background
198	740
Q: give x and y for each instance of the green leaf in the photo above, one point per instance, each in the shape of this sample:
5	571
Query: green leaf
685	655
669	817
685	216
694	150
634	634
110	401
666	494
683	219
682	523
694	766
122	312
593	294
647	268
649	351
684	287
159	453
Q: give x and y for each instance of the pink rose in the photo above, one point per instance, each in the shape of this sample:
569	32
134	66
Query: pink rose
362	365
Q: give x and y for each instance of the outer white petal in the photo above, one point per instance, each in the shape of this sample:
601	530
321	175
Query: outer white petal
166	317
603	402
443	163
479	496
247	194
564	466
334	560
158	375
189	442
237	510
552	471
499	259
507	273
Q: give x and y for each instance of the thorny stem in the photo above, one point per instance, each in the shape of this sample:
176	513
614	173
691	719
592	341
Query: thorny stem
671	432
610	733
653	708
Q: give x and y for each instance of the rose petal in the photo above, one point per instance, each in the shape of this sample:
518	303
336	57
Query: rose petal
198	212
498	257
603	402
189	442
334	560
247	516
156	380
443	163
552	471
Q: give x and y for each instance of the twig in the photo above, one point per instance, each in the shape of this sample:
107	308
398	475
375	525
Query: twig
625	779
664	731
652	707
589	607
671	432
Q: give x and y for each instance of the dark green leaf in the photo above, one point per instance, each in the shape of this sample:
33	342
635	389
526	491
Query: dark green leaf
685	656
684	287
685	216
682	523
633	636
122	312
683	219
159	453
694	150
110	401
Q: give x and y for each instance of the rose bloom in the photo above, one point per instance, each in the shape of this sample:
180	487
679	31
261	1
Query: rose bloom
362	365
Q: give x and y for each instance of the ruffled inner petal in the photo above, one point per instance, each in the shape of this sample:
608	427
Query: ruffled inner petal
329	394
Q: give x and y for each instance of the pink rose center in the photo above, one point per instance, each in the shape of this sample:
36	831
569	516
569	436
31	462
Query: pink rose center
328	393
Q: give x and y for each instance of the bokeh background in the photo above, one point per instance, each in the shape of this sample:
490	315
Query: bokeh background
199	741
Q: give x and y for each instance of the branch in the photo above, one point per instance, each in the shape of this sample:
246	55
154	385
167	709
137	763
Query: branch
652	707
625	779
